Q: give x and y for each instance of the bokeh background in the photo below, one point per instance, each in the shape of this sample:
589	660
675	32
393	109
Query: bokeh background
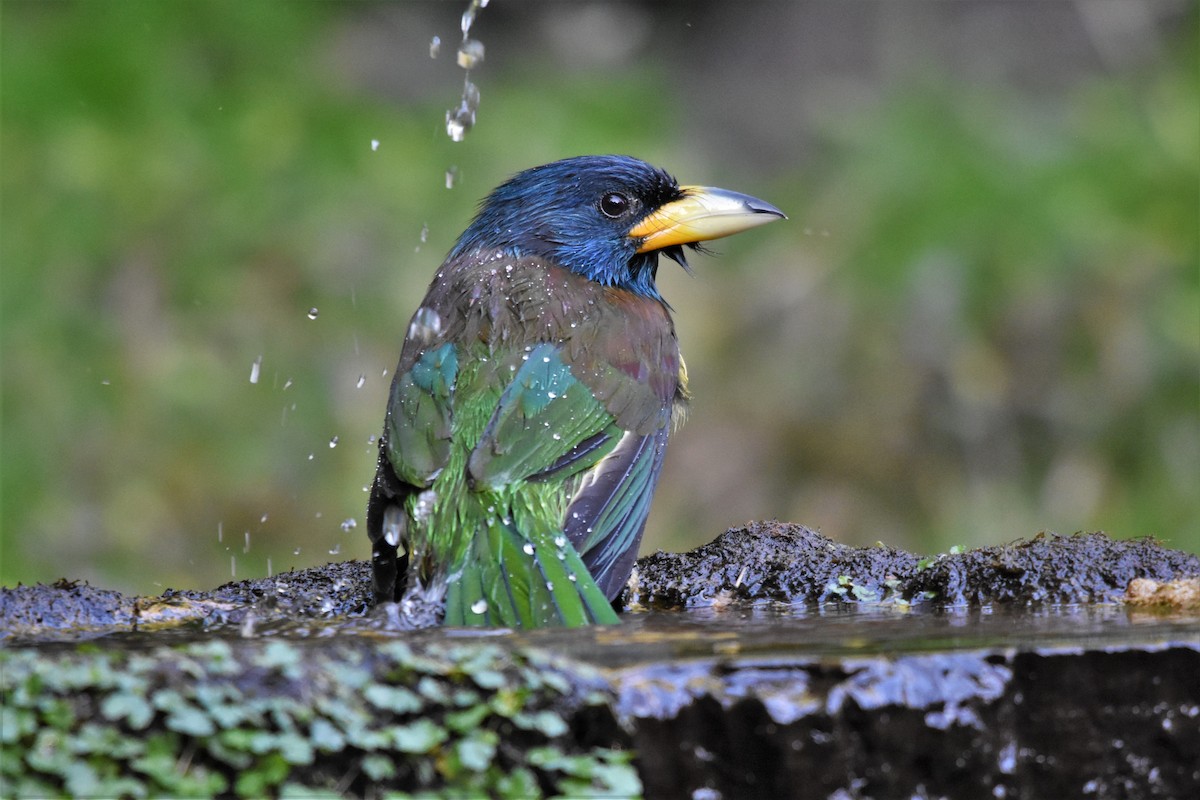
981	321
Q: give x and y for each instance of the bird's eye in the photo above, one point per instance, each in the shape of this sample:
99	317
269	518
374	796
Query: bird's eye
614	205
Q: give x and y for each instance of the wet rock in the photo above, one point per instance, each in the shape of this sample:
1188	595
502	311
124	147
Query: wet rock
1179	594
789	563
1084	568
63	605
768	561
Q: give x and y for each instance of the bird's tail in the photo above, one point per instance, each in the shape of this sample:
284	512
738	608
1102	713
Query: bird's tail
517	580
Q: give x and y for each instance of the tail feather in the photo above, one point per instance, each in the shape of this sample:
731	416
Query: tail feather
510	580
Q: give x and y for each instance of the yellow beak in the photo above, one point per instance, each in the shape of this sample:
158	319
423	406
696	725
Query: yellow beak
703	213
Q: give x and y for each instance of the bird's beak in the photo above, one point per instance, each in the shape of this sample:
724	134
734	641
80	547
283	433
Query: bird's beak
702	213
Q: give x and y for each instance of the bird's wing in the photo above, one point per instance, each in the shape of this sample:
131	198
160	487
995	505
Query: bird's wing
608	511
420	415
550	427
547	424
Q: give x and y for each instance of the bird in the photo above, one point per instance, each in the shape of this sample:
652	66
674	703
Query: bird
537	385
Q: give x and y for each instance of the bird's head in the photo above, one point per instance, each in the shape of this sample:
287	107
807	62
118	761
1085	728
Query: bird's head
607	218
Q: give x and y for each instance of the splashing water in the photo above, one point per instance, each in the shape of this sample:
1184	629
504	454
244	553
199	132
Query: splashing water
470	54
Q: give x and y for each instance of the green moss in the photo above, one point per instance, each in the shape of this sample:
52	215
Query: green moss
280	719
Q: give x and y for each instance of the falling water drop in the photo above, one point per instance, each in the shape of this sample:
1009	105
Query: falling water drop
246	546
362	378
479	606
470	53
458	122
349	524
333	443
424	235
313	312
336	549
255	369
374	145
451	177
435	46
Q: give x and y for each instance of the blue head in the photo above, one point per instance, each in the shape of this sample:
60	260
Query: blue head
607	218
578	213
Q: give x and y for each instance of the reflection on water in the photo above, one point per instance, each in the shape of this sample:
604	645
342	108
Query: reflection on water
767	631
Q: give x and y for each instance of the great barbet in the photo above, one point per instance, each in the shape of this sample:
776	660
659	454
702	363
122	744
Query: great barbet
537	386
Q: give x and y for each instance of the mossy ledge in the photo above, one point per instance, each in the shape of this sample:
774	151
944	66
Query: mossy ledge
268	717
290	687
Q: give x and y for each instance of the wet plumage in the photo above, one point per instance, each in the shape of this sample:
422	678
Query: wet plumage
536	388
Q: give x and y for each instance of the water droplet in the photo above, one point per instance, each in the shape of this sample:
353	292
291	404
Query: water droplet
470	53
255	369
313	312
426	326
479	606
451	177
296	552
220	532
468	19
527	549
106	382
435	46
374	145
269	566
310	456
349	524
560	541
545	359
336	549
556	437
423	507
262	519
333	442
458	122
551	395
550	586
424	234
246	546
287	384
362	378
233	566
393	525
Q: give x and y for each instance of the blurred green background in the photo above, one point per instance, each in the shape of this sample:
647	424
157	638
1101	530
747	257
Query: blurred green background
981	321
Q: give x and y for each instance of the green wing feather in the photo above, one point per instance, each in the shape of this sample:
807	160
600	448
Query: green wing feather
420	419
